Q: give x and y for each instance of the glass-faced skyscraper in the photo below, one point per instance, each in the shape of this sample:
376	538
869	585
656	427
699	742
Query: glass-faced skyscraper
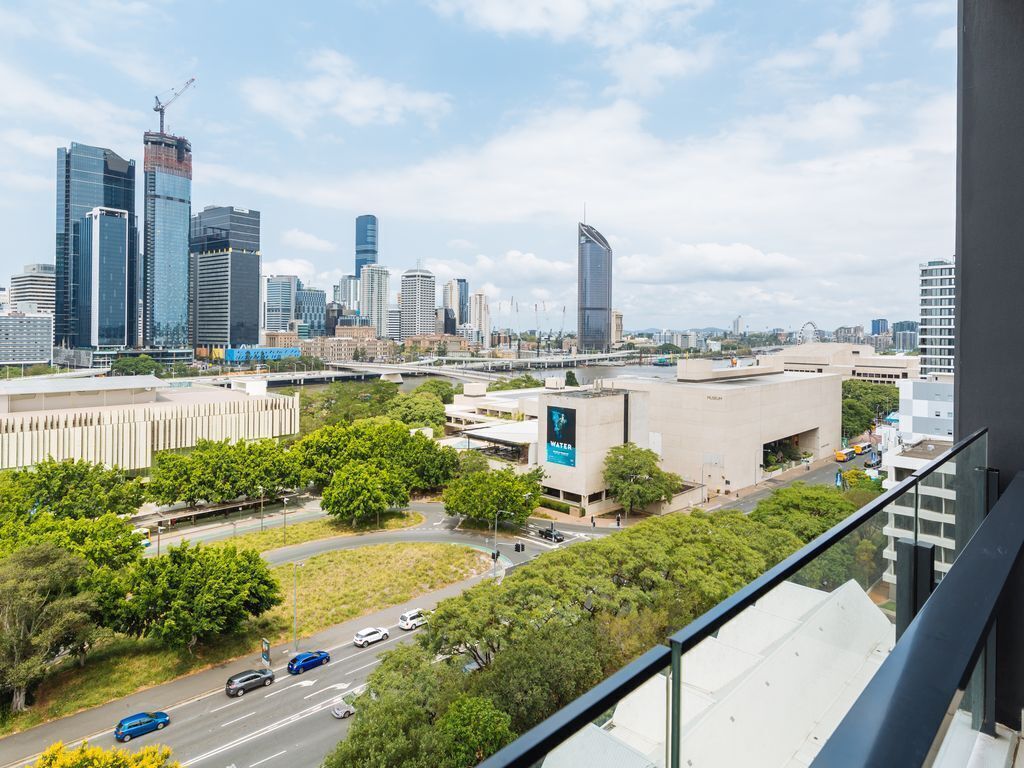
168	202
594	291
366	241
224	245
101	269
88	178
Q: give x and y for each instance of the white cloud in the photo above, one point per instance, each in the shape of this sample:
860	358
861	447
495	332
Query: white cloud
336	88
935	8
461	244
847	49
601	22
696	262
304	241
839	118
640	69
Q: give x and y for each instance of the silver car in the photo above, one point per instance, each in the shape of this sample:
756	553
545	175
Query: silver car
343	709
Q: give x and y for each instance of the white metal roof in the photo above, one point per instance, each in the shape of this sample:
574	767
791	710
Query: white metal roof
47	386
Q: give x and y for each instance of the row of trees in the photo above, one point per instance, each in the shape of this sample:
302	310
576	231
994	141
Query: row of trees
347	401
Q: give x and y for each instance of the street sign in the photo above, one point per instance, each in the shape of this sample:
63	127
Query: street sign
265	653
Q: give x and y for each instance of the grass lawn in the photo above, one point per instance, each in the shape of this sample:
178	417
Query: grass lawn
325	528
336	587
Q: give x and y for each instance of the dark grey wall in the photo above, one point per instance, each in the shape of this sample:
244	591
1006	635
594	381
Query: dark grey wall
989	388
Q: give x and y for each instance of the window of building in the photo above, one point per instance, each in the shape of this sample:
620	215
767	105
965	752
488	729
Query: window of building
599	496
570	496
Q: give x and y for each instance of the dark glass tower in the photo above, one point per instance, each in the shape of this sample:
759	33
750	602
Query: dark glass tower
463	291
88	178
311	309
168	201
366	241
594	291
224	247
101	269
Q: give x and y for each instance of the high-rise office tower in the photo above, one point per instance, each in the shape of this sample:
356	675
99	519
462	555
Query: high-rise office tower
168	207
366	242
35	285
418	302
480	317
444	321
938	311
311	309
450	297
280	301
594	291
373	297
101	287
879	325
456	297
739	326
346	293
87	178
224	251
616	326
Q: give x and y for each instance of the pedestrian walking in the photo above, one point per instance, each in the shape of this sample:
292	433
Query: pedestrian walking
618	520
593	522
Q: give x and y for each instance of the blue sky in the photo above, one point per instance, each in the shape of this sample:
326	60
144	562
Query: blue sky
787	161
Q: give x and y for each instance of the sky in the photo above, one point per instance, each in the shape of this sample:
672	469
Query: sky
789	161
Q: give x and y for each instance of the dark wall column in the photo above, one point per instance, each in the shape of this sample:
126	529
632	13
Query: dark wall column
990	273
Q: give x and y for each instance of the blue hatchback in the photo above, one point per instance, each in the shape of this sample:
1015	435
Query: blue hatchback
138	724
307	660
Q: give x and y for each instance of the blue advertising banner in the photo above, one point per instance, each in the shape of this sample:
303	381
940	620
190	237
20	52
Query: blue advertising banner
561	447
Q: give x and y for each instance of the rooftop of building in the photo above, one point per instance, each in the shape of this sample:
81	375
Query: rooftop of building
927	449
40	385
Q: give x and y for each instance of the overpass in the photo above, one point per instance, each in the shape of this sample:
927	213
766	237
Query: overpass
412	369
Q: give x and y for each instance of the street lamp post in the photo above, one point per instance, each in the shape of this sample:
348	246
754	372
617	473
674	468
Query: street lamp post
494	570
295	604
261	508
284	501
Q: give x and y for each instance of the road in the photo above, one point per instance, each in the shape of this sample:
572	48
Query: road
823	475
289	724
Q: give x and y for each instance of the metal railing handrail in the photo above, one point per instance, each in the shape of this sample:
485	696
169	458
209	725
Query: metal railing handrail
542	738
902	709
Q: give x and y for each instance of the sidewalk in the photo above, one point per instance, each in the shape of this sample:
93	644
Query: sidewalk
168	696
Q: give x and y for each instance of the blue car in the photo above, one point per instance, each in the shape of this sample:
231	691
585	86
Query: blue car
138	724
307	660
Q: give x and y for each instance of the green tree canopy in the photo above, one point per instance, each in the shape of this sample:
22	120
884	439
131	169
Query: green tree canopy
440	387
418	409
361	490
807	511
78	489
571	380
193	594
635	480
471	729
482	495
524	381
857	417
43	610
472	461
142	365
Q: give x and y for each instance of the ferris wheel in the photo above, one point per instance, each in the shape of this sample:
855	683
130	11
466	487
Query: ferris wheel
808	333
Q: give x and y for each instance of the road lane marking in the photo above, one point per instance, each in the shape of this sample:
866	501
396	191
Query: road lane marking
375	661
230	722
342	686
301	684
261	762
538	542
225	706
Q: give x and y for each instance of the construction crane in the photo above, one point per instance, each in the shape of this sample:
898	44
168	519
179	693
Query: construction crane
161	106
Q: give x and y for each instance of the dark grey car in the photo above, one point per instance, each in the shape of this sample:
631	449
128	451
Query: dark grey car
238	684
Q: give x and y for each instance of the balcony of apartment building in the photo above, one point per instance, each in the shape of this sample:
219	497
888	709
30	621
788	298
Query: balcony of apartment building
897	637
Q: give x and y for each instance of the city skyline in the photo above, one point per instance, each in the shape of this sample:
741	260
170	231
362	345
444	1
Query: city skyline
485	183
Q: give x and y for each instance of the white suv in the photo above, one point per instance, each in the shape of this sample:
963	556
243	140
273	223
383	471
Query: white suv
370	635
412	619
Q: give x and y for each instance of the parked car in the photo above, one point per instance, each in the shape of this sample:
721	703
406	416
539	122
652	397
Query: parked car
412	619
307	660
370	635
551	534
238	684
343	709
138	724
874	463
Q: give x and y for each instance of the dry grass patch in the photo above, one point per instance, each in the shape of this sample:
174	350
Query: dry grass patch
325	528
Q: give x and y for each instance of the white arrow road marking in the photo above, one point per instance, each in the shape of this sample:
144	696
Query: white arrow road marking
538	542
301	684
342	686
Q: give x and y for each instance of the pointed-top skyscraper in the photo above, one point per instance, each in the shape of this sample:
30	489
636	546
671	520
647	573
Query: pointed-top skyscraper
594	306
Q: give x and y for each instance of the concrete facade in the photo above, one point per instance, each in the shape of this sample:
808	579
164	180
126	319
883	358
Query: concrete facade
851	361
124	421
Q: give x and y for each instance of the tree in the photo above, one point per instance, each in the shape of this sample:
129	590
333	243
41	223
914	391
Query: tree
89	756
79	488
878	398
170	479
805	510
571	380
470	462
443	389
857	417
361	490
524	381
43	610
431	465
635	480
193	594
418	409
503	493
142	365
472	729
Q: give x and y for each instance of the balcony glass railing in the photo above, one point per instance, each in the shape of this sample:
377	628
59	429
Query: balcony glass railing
766	676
